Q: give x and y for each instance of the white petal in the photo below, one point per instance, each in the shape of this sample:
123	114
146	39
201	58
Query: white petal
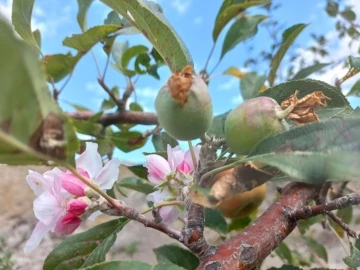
90	160
47	208
175	156
37	183
109	174
36	236
169	214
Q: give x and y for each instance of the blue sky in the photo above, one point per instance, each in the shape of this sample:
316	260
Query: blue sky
193	20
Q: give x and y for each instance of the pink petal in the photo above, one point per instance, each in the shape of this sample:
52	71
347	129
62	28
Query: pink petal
76	207
36	236
188	158
158	168
109	174
37	183
184	168
175	156
47	208
74	185
90	160
69	218
70	225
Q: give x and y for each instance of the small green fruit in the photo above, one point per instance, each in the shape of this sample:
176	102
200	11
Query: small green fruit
188	119
252	121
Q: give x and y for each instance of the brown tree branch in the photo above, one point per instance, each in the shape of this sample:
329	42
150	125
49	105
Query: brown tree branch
126	117
342	224
117	101
339	203
259	239
122	209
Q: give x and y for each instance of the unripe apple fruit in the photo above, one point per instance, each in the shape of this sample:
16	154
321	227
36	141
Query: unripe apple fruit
252	121
184	107
242	204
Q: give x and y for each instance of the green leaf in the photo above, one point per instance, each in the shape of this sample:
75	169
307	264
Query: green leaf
288	38
167	266
332	8
315	152
357	242
159	153
128	141
58	66
176	255
243	28
21	19
217	127
139	170
118	50
250	84
109	103
147	16
84	6
120	265
354	62
215	220
229	9
305	72
335	106
160	141
354	259
284	253
239	224
28	114
348	14
304	224
85	41
85	249
316	247
88	127
355	90
137	184
132	52
37	36
113	18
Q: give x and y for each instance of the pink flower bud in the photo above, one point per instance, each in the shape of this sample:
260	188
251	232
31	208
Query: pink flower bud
184	168
70	218
74	185
76	207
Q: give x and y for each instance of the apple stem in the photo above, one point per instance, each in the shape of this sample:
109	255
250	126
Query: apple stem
193	157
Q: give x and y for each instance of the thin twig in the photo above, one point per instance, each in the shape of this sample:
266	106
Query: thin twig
340	203
96	63
106	67
118	102
208	59
342	224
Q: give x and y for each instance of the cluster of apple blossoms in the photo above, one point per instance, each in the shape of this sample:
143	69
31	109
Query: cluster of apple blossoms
63	201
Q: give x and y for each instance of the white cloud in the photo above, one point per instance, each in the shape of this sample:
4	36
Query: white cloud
233	82
181	6
198	20
94	88
146	92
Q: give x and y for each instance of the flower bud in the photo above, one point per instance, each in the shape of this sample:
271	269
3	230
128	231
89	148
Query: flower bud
74	185
77	206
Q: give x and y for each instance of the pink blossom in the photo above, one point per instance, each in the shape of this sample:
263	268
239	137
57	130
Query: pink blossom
170	213
49	206
90	165
76	207
178	160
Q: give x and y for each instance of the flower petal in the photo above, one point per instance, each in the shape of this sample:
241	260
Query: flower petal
188	158
158	168
108	175
37	183
74	185
90	160
36	236
76	207
94	215
169	214
67	228
47	208
175	156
